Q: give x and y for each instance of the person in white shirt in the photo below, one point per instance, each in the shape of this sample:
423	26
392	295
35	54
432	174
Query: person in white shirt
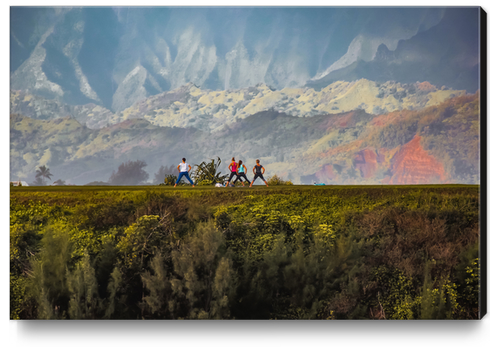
184	170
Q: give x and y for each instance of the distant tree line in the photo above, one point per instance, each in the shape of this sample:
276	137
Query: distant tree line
133	173
43	173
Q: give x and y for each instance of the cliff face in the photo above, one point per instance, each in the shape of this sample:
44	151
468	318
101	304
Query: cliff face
413	165
438	144
366	161
326	174
36	107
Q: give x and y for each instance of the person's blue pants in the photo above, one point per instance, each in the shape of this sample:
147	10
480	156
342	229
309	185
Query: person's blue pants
186	175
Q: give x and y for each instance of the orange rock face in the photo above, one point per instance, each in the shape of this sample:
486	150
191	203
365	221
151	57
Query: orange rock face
367	162
326	173
413	165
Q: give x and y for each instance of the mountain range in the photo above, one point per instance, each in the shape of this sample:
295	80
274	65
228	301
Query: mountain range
436	144
208	110
332	95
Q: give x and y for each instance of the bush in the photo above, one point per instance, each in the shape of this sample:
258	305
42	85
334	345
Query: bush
278	181
129	173
209	172
170	180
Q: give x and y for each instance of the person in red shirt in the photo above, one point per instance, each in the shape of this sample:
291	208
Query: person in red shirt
233	168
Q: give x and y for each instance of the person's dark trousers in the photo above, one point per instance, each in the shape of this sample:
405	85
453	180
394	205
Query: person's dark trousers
186	175
233	174
257	175
240	176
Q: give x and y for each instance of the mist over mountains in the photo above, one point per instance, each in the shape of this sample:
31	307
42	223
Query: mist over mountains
445	54
114	57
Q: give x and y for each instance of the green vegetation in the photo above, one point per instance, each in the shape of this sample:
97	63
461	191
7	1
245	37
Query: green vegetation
277	181
284	252
207	173
170	180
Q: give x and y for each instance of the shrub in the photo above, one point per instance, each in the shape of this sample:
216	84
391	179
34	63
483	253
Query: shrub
202	283
278	181
170	180
209	172
129	173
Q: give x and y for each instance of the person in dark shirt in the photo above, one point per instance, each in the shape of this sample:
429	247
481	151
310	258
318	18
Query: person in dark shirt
258	172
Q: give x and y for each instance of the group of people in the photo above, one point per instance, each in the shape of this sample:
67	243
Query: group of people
240	171
237	169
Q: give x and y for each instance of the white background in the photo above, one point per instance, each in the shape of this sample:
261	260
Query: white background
207	333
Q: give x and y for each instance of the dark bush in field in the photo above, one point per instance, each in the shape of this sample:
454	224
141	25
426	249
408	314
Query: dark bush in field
129	173
170	180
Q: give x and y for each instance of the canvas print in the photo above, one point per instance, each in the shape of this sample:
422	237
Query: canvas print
291	163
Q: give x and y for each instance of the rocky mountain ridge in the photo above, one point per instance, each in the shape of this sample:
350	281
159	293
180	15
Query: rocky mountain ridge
208	110
436	144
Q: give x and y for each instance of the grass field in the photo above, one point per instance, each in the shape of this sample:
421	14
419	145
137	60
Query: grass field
257	186
279	252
